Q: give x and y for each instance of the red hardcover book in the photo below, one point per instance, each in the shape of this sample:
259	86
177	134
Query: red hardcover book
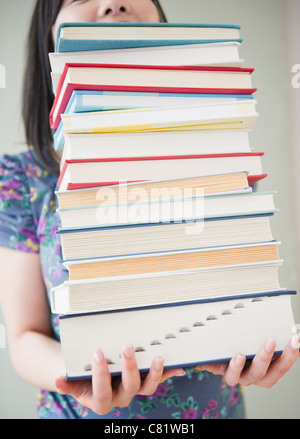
79	174
152	79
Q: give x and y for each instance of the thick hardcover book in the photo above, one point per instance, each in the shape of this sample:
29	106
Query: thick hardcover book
83	101
125	192
160	143
213	54
102	36
156	237
240	114
172	261
143	78
157	288
87	101
184	335
85	173
181	206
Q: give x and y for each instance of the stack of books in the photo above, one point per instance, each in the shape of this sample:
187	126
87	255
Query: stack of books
166	244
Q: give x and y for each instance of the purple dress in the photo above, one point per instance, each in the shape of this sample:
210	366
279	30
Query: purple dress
28	223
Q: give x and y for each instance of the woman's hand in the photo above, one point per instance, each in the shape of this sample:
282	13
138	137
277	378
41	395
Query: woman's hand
264	370
101	396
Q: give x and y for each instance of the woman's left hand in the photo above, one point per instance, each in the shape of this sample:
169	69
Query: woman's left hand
264	370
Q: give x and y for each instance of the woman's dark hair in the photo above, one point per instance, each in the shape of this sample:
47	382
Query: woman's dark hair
162	15
37	87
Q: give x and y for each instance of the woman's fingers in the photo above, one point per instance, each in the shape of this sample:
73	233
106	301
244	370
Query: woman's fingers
264	369
169	373
131	379
282	364
101	396
80	390
101	383
214	368
233	372
237	374
259	365
153	378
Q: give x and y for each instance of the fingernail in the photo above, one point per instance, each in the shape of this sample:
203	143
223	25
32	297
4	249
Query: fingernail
270	345
295	343
159	363
239	360
128	351
98	355
180	373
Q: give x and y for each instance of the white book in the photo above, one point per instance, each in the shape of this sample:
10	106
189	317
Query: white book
211	54
172	209
243	113
166	143
146	238
159	288
83	173
185	335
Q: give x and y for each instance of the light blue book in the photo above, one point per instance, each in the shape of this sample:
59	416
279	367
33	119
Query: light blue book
83	101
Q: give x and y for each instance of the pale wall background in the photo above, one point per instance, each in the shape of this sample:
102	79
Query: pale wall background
271	45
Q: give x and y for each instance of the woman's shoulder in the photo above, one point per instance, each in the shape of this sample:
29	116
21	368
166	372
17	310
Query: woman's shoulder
26	188
25	163
13	181
24	183
23	172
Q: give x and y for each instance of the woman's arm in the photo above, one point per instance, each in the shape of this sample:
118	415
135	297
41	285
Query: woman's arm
35	355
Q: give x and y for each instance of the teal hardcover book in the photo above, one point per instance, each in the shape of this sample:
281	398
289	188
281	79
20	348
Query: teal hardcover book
75	37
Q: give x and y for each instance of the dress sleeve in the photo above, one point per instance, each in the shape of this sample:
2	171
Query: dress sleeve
17	227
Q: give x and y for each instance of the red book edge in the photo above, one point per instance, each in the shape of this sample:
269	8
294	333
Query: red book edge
62	173
167	157
252	179
71	87
157	67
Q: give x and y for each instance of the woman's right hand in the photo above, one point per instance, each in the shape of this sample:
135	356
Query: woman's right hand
99	394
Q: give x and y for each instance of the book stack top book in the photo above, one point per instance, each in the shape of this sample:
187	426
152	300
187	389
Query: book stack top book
160	220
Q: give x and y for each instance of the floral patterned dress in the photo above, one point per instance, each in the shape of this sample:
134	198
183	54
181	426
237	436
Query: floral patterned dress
28	223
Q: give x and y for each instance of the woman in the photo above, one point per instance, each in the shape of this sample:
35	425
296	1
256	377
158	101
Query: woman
30	267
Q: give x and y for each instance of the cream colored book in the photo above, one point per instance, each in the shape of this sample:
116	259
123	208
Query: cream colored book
146	238
158	288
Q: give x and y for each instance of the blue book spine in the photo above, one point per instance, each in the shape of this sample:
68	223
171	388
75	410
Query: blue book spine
68	45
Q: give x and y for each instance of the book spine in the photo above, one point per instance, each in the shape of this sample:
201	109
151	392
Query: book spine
69	45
